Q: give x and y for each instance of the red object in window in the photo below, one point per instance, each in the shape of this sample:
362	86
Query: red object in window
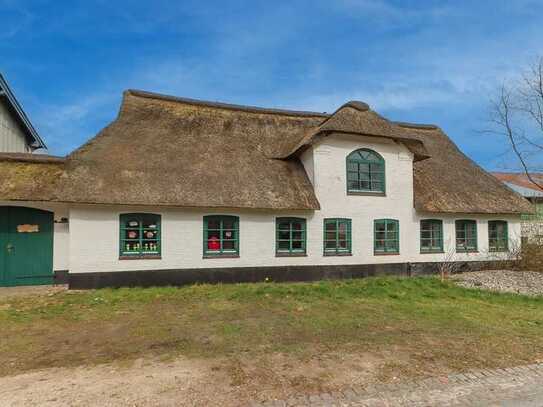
213	243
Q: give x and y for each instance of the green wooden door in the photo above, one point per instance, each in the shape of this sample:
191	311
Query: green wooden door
26	246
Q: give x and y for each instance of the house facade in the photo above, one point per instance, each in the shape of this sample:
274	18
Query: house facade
177	191
17	135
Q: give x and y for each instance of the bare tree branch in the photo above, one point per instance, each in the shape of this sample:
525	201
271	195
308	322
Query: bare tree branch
517	114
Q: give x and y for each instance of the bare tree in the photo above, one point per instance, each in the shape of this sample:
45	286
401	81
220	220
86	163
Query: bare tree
517	114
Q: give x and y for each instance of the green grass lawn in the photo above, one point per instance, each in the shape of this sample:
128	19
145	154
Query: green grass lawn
421	323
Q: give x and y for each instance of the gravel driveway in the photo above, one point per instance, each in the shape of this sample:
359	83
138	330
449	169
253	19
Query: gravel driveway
518	282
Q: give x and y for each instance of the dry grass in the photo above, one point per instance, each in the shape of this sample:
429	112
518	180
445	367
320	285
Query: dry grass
394	327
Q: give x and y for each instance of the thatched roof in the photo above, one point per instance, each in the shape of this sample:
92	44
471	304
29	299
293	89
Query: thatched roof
29	177
163	150
451	182
180	152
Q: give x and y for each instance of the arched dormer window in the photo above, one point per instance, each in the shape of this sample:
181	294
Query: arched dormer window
365	172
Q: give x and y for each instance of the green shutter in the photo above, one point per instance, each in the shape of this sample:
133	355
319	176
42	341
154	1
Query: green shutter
139	236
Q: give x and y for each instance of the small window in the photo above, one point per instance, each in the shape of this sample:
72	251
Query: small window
140	235
386	236
466	236
337	237
365	172
498	240
221	236
290	236
431	236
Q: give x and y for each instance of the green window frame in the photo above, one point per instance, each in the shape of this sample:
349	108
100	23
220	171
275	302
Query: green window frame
466	235
365	172
139	236
337	237
290	236
386	236
221	236
431	236
498	236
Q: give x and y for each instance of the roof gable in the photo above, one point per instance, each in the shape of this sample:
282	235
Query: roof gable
6	95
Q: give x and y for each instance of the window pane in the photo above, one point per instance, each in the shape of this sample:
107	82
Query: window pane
213	224
228	245
228	235
297	245
297	235
330	226
284	225
284	234
330	244
283	245
131	234
228	223
330	236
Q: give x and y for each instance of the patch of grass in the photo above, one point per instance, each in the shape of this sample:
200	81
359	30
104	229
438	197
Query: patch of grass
425	322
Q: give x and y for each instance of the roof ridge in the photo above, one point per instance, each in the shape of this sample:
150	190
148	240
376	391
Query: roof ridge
221	105
29	157
419	126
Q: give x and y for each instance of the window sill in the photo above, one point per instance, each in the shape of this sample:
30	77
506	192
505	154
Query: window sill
337	254
141	257
386	254
366	193
499	251
220	256
432	251
290	254
467	251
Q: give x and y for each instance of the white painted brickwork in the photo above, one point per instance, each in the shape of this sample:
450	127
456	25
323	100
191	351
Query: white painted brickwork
12	139
94	230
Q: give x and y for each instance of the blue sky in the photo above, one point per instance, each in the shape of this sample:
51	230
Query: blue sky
421	61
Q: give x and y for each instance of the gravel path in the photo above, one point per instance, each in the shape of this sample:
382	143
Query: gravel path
510	387
519	282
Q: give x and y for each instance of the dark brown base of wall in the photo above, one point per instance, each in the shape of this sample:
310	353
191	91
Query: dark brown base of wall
181	277
60	277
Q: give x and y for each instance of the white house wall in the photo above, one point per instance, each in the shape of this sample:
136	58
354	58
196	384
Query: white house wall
12	138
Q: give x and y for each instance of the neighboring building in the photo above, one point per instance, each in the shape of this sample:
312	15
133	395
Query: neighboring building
532	223
178	190
17	135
